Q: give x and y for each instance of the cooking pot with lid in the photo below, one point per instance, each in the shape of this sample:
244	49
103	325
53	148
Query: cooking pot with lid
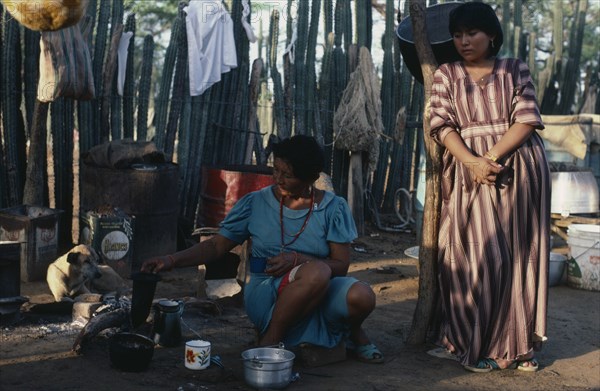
269	367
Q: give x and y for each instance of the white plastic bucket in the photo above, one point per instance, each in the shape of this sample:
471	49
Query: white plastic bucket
584	263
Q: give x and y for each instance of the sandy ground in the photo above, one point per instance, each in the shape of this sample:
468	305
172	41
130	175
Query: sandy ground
35	350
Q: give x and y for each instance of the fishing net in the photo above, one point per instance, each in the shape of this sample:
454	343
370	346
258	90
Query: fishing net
357	121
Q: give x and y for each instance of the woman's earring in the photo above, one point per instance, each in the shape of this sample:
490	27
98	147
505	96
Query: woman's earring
492	41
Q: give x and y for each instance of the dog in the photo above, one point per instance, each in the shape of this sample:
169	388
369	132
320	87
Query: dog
70	274
81	271
109	282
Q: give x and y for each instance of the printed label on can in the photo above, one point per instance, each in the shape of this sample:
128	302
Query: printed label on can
115	245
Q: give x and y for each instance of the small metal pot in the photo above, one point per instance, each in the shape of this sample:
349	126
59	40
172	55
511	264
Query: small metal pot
268	367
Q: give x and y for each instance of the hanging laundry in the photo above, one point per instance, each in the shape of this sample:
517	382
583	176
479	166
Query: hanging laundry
122	53
211	44
247	26
291	48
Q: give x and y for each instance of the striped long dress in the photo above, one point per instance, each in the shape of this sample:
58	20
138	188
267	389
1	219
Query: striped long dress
493	240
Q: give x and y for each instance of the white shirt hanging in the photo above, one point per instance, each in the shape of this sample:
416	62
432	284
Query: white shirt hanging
211	44
122	53
247	27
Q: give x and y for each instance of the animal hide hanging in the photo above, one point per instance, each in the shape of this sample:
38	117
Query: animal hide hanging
46	15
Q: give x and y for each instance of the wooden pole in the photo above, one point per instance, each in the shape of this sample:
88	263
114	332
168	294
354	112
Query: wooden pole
431	212
35	181
356	191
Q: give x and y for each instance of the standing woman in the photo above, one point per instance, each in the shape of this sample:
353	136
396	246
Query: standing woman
494	238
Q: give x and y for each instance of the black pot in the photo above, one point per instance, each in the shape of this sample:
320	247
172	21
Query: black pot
439	37
130	352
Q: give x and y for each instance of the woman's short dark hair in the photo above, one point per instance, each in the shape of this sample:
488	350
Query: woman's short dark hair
303	154
480	16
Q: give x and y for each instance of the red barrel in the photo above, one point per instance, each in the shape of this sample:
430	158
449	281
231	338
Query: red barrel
222	187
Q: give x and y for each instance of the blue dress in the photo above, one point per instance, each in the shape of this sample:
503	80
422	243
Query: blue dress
256	216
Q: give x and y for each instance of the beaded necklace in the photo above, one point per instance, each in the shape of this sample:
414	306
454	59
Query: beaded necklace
297	234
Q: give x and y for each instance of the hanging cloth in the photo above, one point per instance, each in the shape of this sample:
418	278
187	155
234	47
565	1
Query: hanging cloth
122	53
291	48
211	44
65	66
247	27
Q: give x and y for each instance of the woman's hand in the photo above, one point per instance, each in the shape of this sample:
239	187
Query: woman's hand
484	170
157	264
281	263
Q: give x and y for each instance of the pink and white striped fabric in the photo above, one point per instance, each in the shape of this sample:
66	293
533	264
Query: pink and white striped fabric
494	241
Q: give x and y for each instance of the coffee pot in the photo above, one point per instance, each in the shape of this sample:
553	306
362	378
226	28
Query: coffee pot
167	322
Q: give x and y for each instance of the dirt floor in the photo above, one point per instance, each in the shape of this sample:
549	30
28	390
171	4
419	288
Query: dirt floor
35	349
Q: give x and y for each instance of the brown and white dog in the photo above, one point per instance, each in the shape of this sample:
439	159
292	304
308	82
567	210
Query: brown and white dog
78	272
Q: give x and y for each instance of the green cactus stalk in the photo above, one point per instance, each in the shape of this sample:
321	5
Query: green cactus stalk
61	111
181	68
311	117
129	85
98	133
361	21
300	97
326	98
116	103
162	102
278	98
12	119
144	88
184	146
288	73
31	73
388	109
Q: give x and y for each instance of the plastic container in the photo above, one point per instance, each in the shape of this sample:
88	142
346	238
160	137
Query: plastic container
556	269
222	187
584	249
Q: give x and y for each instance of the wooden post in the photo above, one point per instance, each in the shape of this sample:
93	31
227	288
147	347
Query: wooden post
356	191
35	181
431	212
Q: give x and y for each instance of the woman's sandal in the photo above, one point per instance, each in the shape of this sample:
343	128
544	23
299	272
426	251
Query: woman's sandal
488	365
366	353
533	365
443	353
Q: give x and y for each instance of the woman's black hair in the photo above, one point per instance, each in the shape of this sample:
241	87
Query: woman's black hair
480	16
303	154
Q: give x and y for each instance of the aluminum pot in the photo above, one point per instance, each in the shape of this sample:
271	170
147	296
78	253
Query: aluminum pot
268	367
